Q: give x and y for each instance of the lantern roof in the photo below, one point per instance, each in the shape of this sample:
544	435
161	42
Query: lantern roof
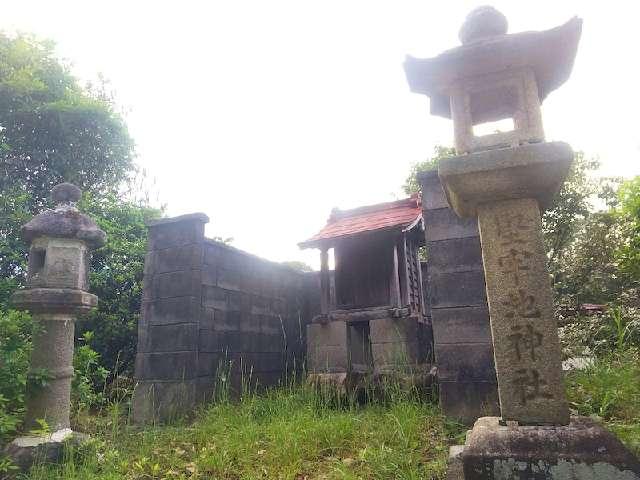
549	53
65	220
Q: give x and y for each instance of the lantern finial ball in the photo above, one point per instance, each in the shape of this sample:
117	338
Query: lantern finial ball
482	22
65	193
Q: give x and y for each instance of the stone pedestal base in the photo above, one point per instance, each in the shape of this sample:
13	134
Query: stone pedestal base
27	451
582	450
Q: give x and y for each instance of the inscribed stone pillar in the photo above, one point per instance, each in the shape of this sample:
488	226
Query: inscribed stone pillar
526	345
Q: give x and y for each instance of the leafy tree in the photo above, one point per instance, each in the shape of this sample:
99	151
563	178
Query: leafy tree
51	130
116	278
411	184
628	253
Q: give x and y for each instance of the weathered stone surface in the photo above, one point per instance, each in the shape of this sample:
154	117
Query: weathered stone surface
162	401
24	452
455	255
166	366
386	330
461	325
466	401
176	231
529	171
435	76
64	222
482	22
65	193
166	311
432	194
168	338
54	300
465	362
582	450
458	289
57	277
442	224
207	304
329	334
527	349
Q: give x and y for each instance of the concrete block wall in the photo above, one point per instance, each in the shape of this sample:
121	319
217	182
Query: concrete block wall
212	311
458	308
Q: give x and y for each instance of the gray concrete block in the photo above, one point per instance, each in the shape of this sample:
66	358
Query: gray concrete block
184	257
327	359
467	401
172	310
455	255
465	362
458	289
168	338
166	366
400	353
162	401
327	334
432	193
176	234
214	297
442	224
176	284
208	363
461	325
385	330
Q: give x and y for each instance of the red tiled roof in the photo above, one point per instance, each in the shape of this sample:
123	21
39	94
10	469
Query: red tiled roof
400	214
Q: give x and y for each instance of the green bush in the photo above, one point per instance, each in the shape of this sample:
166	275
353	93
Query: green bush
15	351
610	388
616	330
16	329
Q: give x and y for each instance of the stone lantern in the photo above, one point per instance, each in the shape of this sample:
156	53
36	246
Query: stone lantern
505	180
56	293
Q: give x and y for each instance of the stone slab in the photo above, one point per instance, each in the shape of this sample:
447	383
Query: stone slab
465	362
524	329
168	311
459	289
176	231
582	450
442	224
466	401
166	366
385	330
397	353
455	255
432	193
168	338
461	325
160	402
534	171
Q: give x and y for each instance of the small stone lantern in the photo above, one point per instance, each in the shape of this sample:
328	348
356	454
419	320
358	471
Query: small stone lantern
56	293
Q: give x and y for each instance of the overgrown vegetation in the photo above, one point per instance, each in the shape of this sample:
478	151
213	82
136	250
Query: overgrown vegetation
609	388
288	433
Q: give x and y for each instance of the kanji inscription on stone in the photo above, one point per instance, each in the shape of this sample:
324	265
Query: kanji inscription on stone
525	338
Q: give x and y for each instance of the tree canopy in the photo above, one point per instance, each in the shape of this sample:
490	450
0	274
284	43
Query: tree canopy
51	130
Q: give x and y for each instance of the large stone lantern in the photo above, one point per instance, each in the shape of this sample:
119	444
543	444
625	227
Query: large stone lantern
56	293
505	180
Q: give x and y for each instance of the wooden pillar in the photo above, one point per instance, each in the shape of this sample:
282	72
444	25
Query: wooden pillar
325	281
394	284
406	255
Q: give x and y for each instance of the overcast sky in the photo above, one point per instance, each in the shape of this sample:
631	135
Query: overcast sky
266	114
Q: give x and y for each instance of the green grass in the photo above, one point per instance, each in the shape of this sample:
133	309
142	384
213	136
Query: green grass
296	433
285	434
610	389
